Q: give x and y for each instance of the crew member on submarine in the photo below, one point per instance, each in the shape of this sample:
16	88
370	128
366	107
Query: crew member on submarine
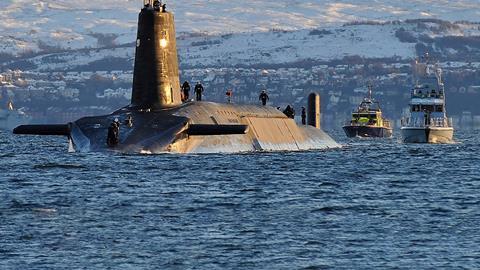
264	97
113	133
163	123
229	95
199	91
289	112
186	91
304	116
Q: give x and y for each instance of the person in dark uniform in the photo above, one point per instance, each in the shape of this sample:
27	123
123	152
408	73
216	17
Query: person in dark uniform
289	112
186	91
229	95
304	116
198	91
264	97
113	134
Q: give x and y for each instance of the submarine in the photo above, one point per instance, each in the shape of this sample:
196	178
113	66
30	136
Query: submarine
158	121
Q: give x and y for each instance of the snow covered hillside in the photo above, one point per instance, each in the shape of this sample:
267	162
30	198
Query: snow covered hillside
277	47
395	40
49	25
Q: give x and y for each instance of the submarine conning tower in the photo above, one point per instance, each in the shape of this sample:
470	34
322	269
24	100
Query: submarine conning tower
156	83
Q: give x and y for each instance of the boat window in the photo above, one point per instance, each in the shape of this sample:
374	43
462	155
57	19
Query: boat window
439	108
368	115
428	108
415	108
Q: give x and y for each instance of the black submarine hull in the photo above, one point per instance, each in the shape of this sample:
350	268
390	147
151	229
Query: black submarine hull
196	127
200	127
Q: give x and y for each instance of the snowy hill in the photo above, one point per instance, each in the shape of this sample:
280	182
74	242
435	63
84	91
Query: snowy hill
49	25
276	47
397	40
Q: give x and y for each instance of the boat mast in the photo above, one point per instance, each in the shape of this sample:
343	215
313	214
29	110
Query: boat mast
370	87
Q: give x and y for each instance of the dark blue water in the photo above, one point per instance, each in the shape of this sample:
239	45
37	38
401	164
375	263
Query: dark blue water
374	204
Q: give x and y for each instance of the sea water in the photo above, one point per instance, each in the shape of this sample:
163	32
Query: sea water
372	204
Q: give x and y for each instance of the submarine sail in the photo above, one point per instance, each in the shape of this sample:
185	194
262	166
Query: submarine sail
157	121
155	80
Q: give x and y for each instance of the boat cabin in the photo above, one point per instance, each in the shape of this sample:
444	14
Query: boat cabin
367	119
427	104
368	114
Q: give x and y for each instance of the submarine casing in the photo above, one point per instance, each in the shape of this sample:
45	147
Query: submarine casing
162	123
168	131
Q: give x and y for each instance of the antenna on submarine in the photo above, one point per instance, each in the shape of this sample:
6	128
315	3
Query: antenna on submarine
157	5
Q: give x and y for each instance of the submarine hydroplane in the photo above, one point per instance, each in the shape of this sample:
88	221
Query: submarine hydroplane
157	120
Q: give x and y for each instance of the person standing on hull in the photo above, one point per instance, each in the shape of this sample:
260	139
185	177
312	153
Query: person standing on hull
186	91
304	116
264	97
289	112
198	91
229	94
113	134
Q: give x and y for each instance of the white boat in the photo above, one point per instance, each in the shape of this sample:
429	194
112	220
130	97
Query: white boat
427	121
11	118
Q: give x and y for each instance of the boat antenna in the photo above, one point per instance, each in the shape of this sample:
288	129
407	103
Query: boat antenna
427	58
370	87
